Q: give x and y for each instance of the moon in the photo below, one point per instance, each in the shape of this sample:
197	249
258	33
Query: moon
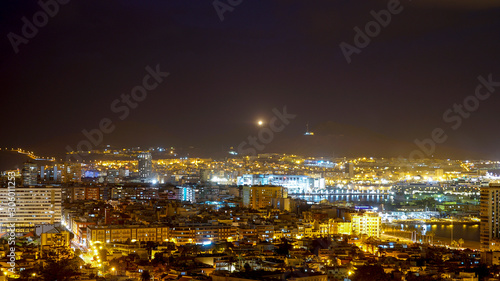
260	123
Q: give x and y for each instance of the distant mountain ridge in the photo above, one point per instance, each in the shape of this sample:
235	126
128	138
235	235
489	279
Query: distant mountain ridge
343	140
329	139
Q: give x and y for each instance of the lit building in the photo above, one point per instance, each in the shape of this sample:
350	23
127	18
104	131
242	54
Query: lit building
112	175
319	163
343	228
123	172
349	169
439	173
50	174
71	172
257	197
366	224
54	240
120	192
92	193
186	193
147	193
202	233
490	217
30	174
33	205
75	193
335	226
294	184
196	233
79	229
145	165
121	233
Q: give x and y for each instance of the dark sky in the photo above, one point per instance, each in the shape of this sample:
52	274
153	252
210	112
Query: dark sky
225	75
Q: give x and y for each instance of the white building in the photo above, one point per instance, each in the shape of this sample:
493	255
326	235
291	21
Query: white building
369	224
145	164
186	193
294	184
29	206
490	216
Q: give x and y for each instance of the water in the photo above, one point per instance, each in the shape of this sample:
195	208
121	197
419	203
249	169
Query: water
442	232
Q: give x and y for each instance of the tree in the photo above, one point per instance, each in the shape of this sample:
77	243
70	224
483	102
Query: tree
412	277
461	242
145	276
482	271
26	274
78	252
150	245
371	273
283	248
103	254
247	267
61	266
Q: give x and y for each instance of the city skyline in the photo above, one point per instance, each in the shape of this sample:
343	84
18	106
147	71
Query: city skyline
337	216
326	140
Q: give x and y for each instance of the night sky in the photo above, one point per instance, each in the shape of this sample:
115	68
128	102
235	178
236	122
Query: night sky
226	75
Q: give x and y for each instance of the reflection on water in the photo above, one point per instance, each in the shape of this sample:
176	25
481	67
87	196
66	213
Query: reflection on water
466	232
348	198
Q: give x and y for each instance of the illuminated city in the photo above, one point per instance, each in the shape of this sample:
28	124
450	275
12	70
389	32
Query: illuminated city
207	218
238	140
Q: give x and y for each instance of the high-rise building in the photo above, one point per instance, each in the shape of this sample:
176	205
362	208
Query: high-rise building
33	205
490	217
349	169
71	172
46	174
30	174
257	197
75	193
187	193
366	224
112	175
145	165
439	173
51	173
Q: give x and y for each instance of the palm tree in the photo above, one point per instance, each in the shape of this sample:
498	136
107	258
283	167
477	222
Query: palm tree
461	242
145	276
